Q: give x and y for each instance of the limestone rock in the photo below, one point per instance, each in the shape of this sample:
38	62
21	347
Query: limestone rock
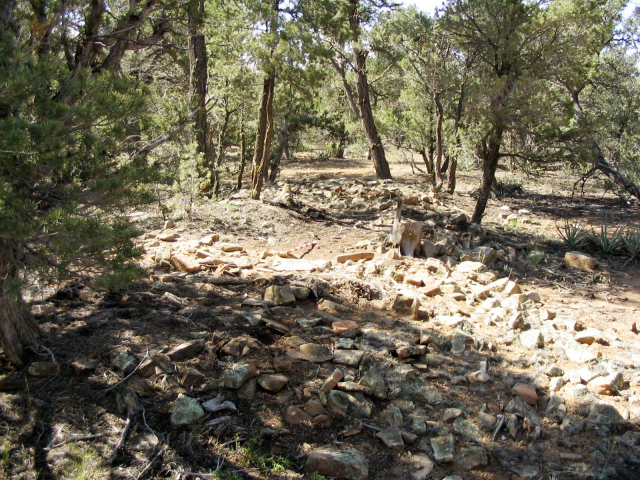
186	410
392	438
316	353
604	414
471	458
443	448
184	263
354	257
406	306
348	463
186	351
532	339
238	376
279	295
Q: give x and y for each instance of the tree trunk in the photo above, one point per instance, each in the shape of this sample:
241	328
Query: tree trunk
428	161
451	173
340	149
263	137
439	179
347	87
243	153
18	329
284	141
217	163
453	159
490	154
598	157
198	60
364	102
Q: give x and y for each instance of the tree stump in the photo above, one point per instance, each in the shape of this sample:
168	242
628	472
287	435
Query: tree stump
405	236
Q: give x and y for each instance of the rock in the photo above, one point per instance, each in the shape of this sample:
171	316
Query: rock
123	362
532	339
186	410
301	293
47	369
516	321
209	239
230	247
359	406
338	402
478	377
429	394
323	421
354	257
163	363
556	409
526	391
393	416
272	383
348	463
297	416
601	386
450	414
191	377
279	295
184	263
467	429
572	425
375	382
486	255
346	328
331	381
546	314
314	408
238	376
579	354
186	351
471	458
580	260
554	371
428	249
469	267
168	237
350	358
556	384
316	353
392	438
81	367
420	466
143	441
406	306
589	335
281	364
333	308
604	414
443	448
248	390
407	351
419	426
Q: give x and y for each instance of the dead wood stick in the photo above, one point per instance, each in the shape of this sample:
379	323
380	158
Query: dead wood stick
76	438
233	441
53	440
123	437
125	378
198	475
149	466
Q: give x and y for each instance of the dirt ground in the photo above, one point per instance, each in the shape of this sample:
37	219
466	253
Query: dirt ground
41	415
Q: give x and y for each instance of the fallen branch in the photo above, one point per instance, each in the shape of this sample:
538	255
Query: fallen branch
149	466
199	475
123	438
74	438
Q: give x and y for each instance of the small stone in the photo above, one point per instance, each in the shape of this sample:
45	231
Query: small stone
186	351
348	463
338	402
123	362
349	358
354	257
346	328
248	390
556	384
186	410
589	336
546	314
168	237
406	306
184	263
450	414
280	295
163	363
472	458
467	429
532	339
314	408
316	353
420	466
556	409
407	351
429	394
191	377
297	416
375	382
81	367
281	364
323	421
579	354
572	425
331	382
47	369
236	377
393	416
443	448
554	371
469	267
230	247
580	260
392	438
272	383
526	391
478	377
604	414
486	255
419	426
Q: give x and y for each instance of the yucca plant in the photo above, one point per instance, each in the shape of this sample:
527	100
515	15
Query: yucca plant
608	244
573	233
631	241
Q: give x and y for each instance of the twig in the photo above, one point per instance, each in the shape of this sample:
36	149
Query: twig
53	439
233	441
123	437
127	377
198	475
76	438
146	469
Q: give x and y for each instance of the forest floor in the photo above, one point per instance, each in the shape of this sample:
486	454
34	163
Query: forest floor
523	368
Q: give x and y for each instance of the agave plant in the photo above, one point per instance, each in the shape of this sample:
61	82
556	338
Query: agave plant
631	241
604	242
573	233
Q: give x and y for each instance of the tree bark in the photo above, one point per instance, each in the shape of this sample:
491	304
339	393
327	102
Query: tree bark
490	154
263	137
198	67
428	161
599	161
439	179
217	163
87	49
347	87
243	153
284	141
364	102
18	329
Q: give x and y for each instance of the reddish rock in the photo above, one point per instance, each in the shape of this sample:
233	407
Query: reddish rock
186	351
331	382
354	257
296	416
526	391
272	383
281	364
346	328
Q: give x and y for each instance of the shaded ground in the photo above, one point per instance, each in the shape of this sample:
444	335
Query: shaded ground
80	324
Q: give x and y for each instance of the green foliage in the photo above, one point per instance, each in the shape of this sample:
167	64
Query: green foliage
255	459
631	241
573	234
535	257
606	243
67	179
